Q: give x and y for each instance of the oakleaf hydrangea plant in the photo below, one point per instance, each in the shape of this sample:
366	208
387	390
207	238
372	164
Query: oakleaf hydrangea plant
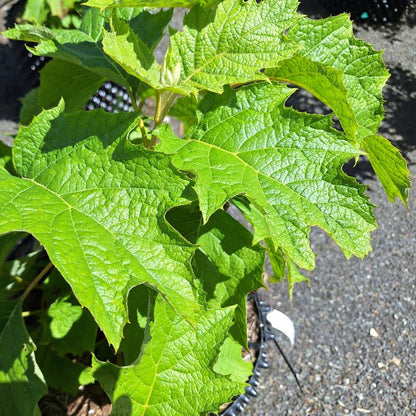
138	275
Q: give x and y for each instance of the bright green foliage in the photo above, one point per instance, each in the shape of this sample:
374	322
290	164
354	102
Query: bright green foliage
147	3
71	203
134	218
225	266
60	79
389	166
74	46
58	13
21	382
222	46
324	82
229	361
331	42
175	374
255	157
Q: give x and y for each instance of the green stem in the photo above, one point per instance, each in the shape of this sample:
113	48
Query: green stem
138	108
163	104
37	279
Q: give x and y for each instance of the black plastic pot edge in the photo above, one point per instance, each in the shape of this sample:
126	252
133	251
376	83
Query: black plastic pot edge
266	334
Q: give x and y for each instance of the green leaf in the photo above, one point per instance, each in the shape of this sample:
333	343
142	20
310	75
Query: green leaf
390	167
66	327
89	192
129	50
63	315
288	164
6	157
7	242
93	24
36	11
175	375
60	372
324	82
231	43
277	261
331	42
150	27
21	382
60	79
141	302
226	264
30	107
294	276
184	110
76	47
56	7
230	362
147	3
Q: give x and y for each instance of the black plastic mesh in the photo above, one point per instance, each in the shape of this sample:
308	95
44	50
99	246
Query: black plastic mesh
377	11
111	97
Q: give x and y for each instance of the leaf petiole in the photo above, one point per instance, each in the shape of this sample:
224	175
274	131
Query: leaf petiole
37	279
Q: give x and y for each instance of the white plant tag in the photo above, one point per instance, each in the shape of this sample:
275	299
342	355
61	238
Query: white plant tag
278	320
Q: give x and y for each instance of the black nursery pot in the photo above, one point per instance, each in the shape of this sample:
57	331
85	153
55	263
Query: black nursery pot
266	334
375	11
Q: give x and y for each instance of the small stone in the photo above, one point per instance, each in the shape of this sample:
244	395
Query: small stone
396	361
381	365
373	333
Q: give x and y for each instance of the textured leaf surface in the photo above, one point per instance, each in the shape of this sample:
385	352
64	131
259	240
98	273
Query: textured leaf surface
130	51
21	382
230	44
76	47
175	374
227	264
286	163
331	42
87	191
389	166
230	362
146	3
60	79
324	82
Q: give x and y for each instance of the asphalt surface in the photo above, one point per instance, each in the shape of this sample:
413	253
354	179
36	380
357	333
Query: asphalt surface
355	351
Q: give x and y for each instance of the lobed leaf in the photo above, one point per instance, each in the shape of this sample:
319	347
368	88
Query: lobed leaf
74	46
175	374
231	43
389	166
324	82
331	42
97	204
288	164
60	79
227	265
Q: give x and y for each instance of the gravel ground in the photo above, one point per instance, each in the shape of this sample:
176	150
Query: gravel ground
355	352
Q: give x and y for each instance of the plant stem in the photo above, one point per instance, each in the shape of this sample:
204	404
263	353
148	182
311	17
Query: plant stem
37	279
163	104
138	109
